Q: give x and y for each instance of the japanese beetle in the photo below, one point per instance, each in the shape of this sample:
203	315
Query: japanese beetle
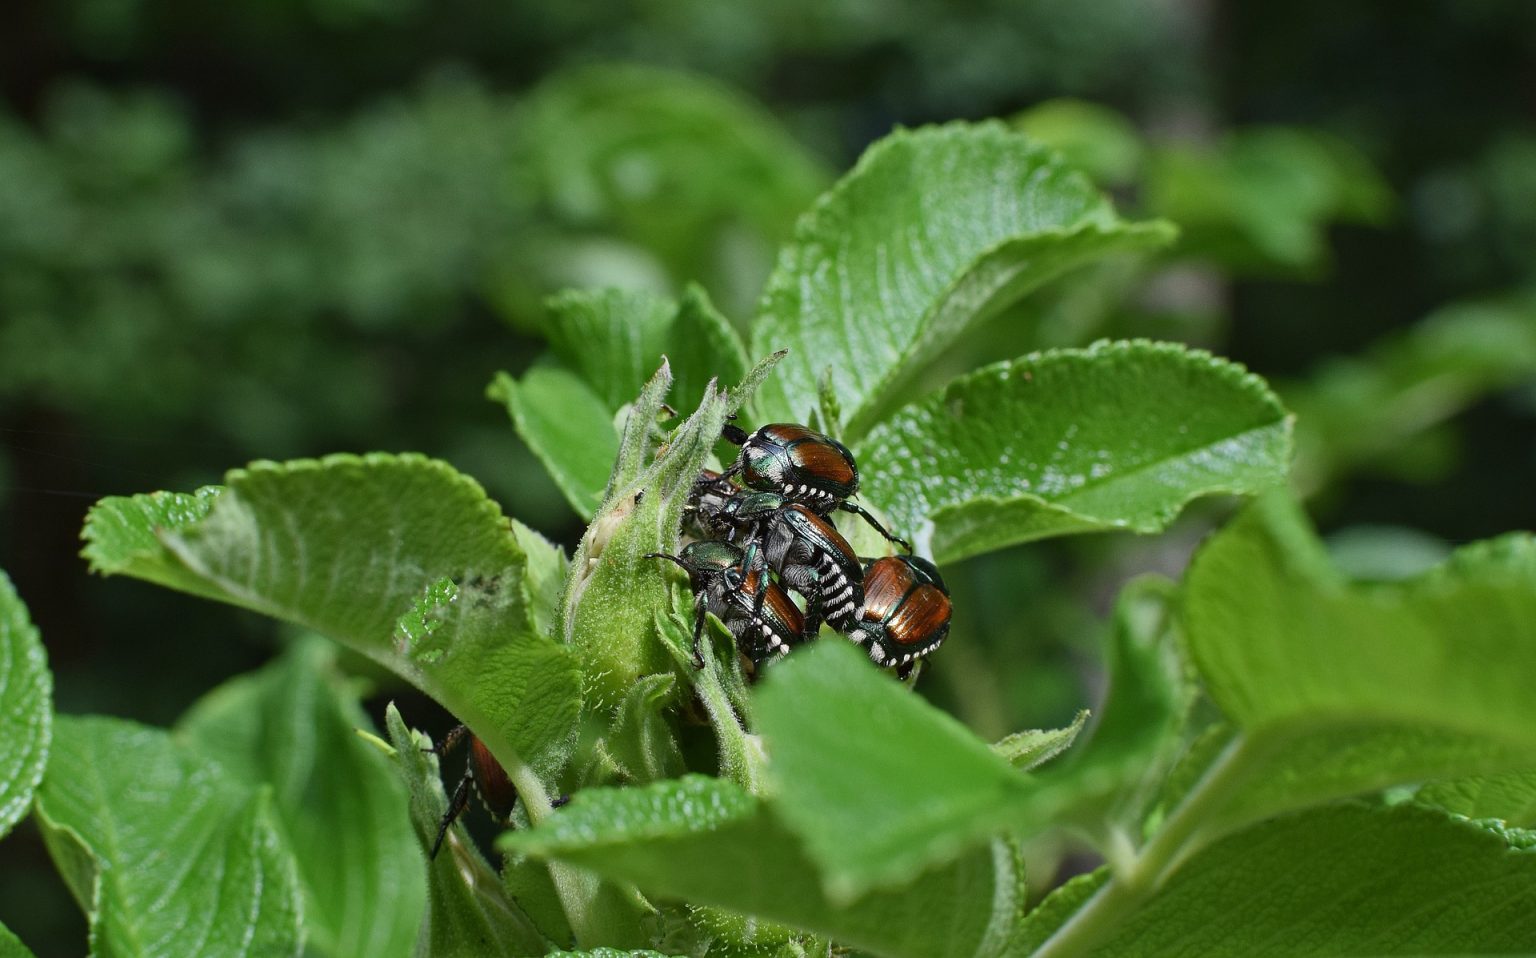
906	611
482	773
810	556
801	465
794	461
755	610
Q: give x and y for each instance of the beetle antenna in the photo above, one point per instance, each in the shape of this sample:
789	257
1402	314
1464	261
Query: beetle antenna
666	555
733	434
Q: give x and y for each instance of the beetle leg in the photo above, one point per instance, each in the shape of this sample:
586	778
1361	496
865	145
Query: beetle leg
450	741
812	619
858	510
698	631
755	557
456	805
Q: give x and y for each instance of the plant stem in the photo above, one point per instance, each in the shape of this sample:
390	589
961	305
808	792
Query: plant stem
596	914
741	758
1180	837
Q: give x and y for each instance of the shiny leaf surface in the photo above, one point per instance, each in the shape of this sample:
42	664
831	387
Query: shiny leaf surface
341	808
614	339
706	841
898	787
1337	688
1510	797
932	232
398	557
567	426
1116	436
1343	880
26	707
166	852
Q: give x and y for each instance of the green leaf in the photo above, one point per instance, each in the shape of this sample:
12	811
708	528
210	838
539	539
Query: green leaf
699	176
1089	136
123	531
1034	747
608	953
933	231
1375	553
640	741
544	576
165	851
1337	688
703	345
612	338
615	338
1510	797
1358	412
1047	918
640	439
467	912
1261	200
706	841
639	143
1344	880
900	787
340	806
11	946
567	426
1115	775
1116	436
716	931
398	557
26	707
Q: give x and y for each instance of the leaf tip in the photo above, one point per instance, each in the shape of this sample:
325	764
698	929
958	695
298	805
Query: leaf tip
501	387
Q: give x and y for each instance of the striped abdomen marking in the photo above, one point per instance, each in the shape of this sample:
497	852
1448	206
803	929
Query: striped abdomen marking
838	576
780	621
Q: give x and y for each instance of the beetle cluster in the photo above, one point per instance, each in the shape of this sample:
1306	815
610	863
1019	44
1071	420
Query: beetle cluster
755	543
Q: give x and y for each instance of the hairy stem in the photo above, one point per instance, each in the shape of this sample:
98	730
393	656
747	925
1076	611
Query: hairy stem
741	759
1134	881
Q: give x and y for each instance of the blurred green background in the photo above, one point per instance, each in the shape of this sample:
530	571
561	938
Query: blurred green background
280	228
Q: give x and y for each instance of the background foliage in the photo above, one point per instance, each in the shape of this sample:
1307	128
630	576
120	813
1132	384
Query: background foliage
266	231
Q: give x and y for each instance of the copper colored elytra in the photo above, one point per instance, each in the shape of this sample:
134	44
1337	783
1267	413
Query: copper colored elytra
778	604
796	462
818	456
906	610
490	779
483	774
